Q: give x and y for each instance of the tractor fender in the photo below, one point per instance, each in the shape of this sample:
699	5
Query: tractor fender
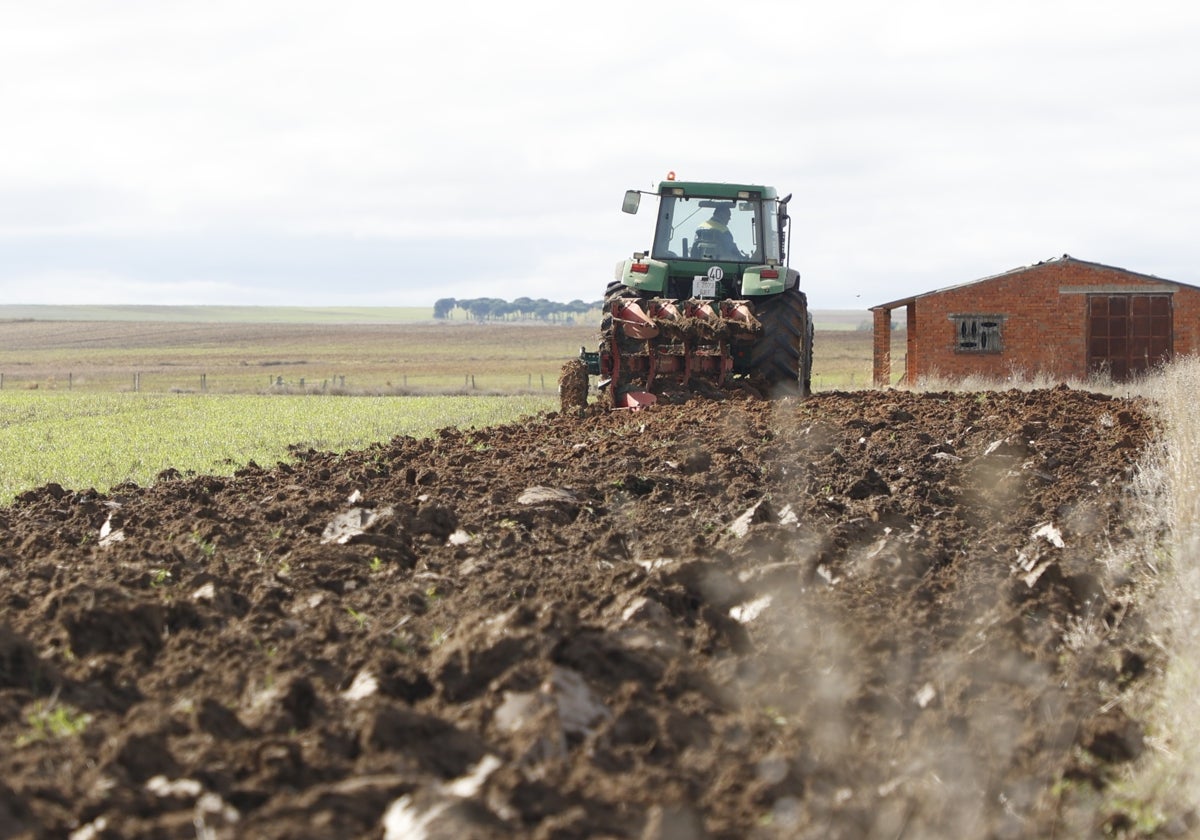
651	275
754	284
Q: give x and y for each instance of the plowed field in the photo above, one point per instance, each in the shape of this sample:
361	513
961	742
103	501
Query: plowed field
877	614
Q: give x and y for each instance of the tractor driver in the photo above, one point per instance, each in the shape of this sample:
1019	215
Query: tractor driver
713	239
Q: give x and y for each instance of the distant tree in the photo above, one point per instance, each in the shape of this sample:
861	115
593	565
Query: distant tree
477	308
523	307
499	309
543	309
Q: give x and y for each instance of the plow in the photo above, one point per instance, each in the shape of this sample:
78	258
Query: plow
712	305
678	344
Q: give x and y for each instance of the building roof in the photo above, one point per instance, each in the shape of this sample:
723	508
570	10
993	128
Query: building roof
896	304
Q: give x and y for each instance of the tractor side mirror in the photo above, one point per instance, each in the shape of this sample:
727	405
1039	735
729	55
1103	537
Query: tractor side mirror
633	199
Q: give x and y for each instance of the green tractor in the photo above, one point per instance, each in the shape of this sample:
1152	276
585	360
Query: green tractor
711	305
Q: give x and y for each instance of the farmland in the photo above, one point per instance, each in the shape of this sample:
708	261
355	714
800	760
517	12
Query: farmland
292	358
865	614
282	356
118	397
89	439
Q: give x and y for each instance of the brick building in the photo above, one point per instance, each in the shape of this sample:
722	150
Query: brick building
1064	317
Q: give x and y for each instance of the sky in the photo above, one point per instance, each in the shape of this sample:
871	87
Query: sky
366	153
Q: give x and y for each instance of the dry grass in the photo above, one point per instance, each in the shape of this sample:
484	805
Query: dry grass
842	359
1029	382
1166	784
400	358
294	358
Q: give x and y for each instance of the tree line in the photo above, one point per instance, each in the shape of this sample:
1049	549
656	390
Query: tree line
521	309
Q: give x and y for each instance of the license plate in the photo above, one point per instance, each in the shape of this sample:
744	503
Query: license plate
704	286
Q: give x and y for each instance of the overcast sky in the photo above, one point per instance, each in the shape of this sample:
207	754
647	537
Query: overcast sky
384	153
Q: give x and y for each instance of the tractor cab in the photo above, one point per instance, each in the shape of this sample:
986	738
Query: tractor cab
715	223
693	228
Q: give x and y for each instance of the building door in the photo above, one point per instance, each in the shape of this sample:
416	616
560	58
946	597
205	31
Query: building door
1128	334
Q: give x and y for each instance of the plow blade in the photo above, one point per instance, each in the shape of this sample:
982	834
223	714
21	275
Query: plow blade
654	345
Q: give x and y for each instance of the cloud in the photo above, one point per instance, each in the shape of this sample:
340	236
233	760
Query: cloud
926	143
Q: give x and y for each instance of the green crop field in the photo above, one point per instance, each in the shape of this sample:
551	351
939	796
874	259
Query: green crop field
101	440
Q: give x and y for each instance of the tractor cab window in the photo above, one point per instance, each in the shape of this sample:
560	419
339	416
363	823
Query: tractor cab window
771	231
724	229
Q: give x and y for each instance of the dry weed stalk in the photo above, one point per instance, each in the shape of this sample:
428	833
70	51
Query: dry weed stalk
1166	784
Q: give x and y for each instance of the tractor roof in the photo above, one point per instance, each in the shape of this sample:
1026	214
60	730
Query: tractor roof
713	190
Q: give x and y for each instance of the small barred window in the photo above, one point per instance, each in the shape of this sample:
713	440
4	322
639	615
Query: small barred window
977	333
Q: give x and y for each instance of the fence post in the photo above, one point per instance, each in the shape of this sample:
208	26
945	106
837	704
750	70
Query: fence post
203	382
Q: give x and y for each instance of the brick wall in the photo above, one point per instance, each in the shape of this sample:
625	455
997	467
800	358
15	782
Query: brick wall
882	346
1044	328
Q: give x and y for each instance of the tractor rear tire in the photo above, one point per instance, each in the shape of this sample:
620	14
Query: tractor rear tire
616	289
608	339
782	357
